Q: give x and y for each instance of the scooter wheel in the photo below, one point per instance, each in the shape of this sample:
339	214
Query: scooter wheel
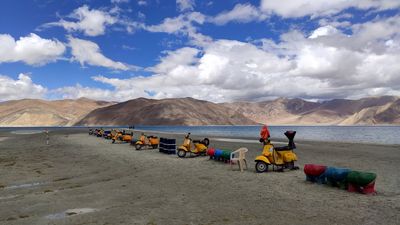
113	141
181	153
261	167
138	147
154	146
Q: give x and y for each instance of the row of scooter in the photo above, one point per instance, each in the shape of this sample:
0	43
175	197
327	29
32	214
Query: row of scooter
121	136
277	158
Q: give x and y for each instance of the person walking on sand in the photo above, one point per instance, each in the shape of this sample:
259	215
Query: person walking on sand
47	136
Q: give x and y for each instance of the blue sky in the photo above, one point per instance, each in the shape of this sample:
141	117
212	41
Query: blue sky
212	50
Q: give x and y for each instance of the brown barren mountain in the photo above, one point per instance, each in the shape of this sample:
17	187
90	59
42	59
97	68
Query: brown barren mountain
35	112
189	111
388	113
174	111
365	111
278	111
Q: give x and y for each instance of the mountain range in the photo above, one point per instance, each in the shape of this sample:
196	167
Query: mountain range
190	111
35	112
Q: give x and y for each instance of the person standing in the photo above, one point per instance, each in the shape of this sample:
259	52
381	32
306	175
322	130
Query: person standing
264	134
47	136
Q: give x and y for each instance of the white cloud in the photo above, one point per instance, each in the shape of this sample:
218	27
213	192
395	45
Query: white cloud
241	13
183	24
142	2
91	22
32	49
324	31
174	59
23	87
184	5
300	8
78	91
178	24
119	1
87	52
331	64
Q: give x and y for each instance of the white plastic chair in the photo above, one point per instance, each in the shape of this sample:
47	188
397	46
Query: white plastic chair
239	156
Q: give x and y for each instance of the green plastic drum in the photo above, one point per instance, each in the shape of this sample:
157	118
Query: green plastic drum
361	178
226	155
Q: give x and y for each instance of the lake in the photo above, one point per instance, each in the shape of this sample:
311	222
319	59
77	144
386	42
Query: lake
352	134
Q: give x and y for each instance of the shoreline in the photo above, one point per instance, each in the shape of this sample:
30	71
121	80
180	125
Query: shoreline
280	140
255	140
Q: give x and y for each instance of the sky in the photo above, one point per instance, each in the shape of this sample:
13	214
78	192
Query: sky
220	51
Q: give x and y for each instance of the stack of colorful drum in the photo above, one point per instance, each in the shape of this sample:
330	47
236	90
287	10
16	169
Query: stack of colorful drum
353	181
219	155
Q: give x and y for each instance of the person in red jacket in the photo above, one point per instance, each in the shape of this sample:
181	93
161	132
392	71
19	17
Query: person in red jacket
264	134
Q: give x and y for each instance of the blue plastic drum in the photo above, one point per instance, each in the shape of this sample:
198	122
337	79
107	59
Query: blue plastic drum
337	176
218	154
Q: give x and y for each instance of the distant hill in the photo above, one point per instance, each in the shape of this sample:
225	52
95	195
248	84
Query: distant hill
279	111
35	112
189	111
174	111
365	111
384	113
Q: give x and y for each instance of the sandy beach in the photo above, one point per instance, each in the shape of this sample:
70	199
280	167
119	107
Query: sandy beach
81	179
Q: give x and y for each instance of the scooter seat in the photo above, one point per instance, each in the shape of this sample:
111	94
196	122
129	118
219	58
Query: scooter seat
198	141
283	148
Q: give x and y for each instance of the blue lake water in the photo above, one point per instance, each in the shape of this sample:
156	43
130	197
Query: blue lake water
352	134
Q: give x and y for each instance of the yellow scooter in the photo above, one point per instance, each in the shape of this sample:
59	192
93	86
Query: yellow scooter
122	137
147	142
200	147
280	157
100	132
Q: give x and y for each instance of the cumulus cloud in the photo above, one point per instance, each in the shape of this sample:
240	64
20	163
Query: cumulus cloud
176	24
23	87
87	52
175	59
142	2
183	24
119	1
184	5
78	91
91	22
300	8
323	64
32	49
324	31
241	13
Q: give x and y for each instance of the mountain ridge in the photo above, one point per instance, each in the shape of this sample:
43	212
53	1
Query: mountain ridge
38	112
382	110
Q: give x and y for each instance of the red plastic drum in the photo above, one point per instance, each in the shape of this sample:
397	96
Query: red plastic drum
314	170
211	152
